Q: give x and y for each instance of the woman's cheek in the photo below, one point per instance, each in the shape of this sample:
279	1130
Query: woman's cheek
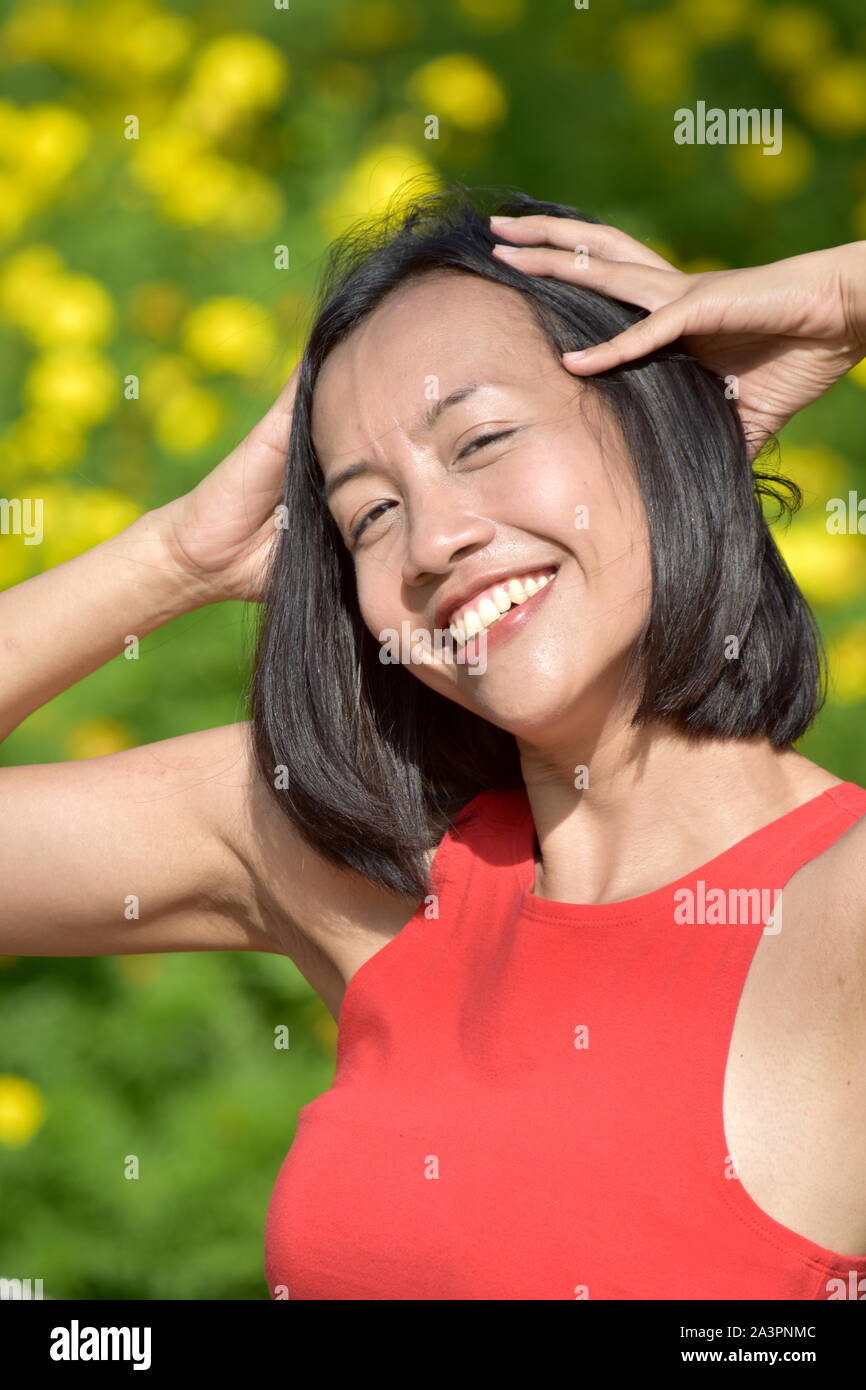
544	492
381	609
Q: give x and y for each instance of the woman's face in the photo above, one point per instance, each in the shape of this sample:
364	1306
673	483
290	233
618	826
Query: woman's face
436	515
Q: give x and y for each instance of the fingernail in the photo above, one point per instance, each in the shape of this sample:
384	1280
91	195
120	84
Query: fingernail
576	356
502	218
507	250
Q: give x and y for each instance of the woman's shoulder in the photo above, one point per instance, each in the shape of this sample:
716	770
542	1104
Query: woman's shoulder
834	880
301	895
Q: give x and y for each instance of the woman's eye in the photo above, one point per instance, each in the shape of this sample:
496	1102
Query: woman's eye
365	520
483	440
480	443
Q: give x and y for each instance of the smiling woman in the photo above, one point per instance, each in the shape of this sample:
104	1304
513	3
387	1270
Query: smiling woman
545	1065
515	468
543	1061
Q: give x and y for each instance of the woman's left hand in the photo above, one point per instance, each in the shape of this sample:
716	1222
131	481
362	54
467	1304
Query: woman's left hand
782	333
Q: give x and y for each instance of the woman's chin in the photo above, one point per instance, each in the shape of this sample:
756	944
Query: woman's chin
533	713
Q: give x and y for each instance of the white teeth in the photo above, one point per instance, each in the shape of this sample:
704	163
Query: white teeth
491	609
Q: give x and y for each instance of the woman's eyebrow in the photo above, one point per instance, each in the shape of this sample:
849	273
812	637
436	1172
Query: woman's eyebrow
427	421
453	398
344	476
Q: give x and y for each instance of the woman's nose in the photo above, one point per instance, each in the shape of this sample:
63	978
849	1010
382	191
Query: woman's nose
442	531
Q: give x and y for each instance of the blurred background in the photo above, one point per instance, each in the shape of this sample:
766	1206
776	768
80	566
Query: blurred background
152	156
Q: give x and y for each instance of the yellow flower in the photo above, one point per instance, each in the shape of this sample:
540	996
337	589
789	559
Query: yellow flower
374	25
77	310
287	363
818	470
858	373
213	191
16	204
47	30
161	159
12	130
829	569
75	519
772	176
27	281
833	95
203	193
714	21
459	88
32	295
386	178
255	207
77	382
16	558
242	71
22	1111
792	37
654	55
56	139
110	39
94	738
188	420
155	43
492	16
230	334
162	376
42	441
846	658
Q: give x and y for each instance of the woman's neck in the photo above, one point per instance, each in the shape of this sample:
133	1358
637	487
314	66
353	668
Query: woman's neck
648	805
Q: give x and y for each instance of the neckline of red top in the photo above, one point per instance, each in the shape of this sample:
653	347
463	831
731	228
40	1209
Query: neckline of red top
513	807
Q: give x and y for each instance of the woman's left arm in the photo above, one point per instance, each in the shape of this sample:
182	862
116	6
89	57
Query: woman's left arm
780	334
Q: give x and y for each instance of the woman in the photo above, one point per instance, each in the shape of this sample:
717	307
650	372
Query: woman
529	655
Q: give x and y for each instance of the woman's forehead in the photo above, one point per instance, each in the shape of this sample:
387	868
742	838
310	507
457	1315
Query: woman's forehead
421	343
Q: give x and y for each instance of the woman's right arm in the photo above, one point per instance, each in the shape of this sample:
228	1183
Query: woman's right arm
64	623
121	853
141	850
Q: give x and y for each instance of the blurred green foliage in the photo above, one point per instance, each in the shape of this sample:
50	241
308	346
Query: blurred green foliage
153	256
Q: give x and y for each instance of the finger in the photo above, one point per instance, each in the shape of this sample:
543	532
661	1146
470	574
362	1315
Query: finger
647	286
659	328
568	232
285	401
274	429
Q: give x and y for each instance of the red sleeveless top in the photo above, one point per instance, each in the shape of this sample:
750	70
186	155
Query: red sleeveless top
528	1094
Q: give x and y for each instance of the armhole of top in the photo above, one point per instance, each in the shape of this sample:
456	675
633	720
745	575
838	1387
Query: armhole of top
476	808
368	972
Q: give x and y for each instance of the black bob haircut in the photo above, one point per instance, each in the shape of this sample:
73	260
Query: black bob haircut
369	763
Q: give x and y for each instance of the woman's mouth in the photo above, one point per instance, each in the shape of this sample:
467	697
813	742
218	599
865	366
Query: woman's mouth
500	606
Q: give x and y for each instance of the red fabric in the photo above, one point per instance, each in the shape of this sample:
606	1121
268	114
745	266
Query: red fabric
467	1149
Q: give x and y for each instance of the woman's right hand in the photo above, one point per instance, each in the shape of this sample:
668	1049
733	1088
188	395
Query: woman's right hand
221	533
